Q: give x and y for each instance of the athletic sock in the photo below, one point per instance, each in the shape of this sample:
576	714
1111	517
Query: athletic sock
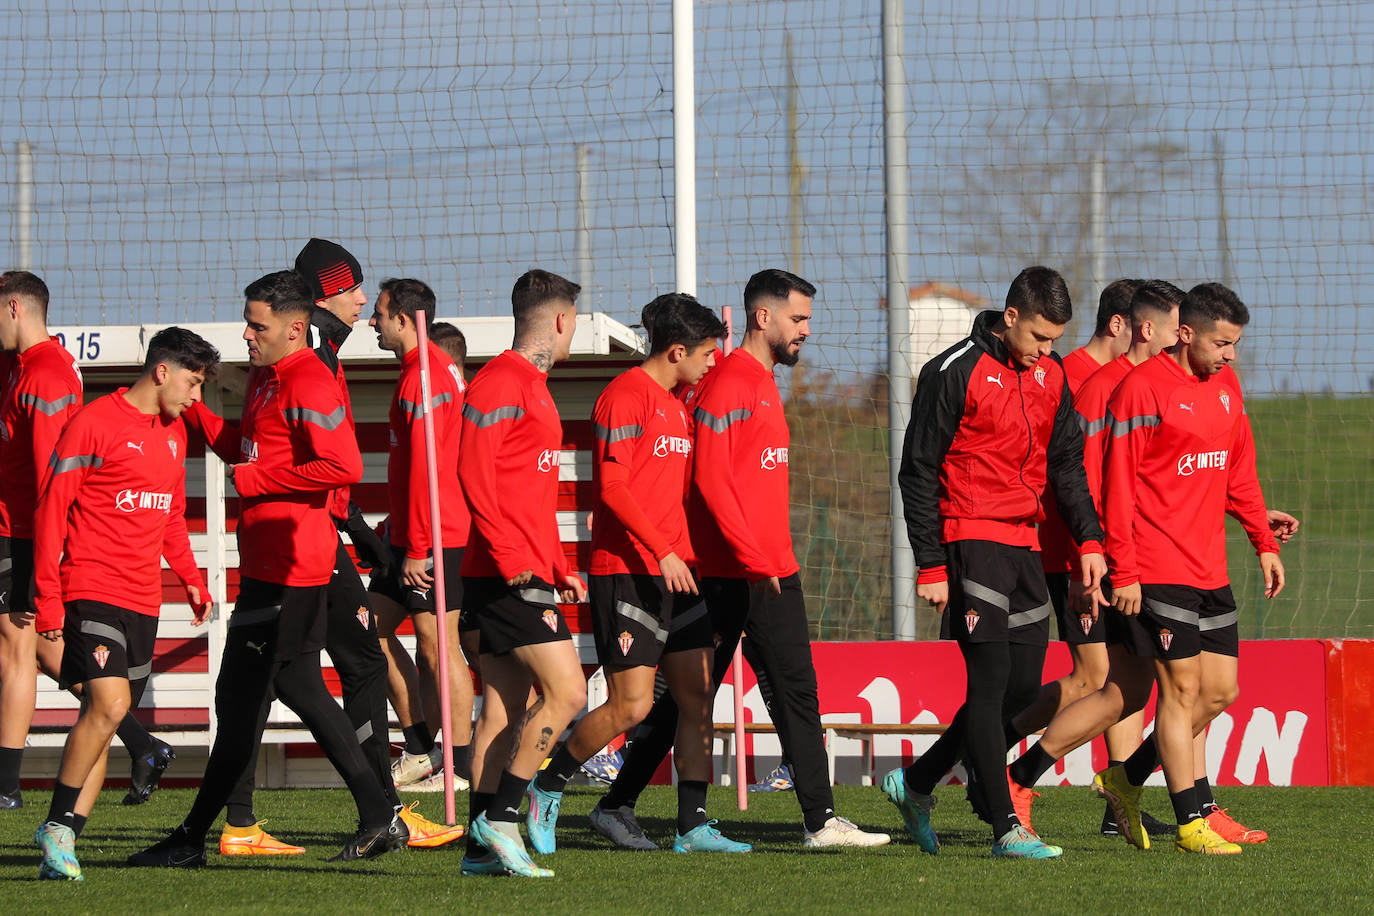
1030	766
815	820
237	814
135	737
418	738
691	805
477	803
462	761
1185	805
1205	801
78	824
63	808
555	776
1142	763
505	803
11	759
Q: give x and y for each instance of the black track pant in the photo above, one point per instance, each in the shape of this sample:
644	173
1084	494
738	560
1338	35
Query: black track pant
361	666
778	647
250	675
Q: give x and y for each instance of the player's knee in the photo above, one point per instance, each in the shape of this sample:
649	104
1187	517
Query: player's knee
567	699
1218	698
108	713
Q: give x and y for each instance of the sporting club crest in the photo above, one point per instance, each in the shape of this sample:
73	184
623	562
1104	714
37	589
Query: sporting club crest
1225	400
971	621
551	619
172	446
1086	622
1166	639
101	655
363	617
1040	375
625	640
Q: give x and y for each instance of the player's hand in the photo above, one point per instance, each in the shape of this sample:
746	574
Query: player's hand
1094	568
521	579
937	593
677	575
1272	567
200	608
1127	598
571	589
767	587
415	574
1082	601
1283	525
51	635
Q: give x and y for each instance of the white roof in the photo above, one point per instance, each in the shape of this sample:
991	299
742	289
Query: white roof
125	344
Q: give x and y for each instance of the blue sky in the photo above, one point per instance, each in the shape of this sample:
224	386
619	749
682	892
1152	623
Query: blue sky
179	154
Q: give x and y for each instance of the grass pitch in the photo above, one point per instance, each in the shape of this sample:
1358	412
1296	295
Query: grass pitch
1319	860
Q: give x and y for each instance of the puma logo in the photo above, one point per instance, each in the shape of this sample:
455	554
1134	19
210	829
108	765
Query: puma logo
997	380
136	447
255	646
1187	407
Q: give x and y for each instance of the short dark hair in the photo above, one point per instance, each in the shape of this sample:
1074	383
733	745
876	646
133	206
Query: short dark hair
183	348
1208	303
1041	291
448	338
537	287
1115	300
678	318
23	283
1158	296
283	291
408	297
775	284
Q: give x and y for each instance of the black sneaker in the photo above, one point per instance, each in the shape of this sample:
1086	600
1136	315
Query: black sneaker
9	801
1152	825
147	770
371	842
178	850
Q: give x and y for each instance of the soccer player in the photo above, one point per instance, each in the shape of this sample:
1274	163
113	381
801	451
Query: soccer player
740	527
992	424
408	589
296	450
647	612
514	570
1180	458
113	504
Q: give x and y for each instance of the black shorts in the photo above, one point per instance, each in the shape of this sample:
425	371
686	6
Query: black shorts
288	619
511	616
16	575
1179	621
996	594
101	640
1075	628
412	599
636	620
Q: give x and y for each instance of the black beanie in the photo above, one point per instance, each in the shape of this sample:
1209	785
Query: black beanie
328	268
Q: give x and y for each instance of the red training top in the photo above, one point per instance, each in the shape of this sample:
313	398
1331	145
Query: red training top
642	461
406	471
295	448
43	392
113	503
1180	457
1093	418
508	463
1058	552
740	511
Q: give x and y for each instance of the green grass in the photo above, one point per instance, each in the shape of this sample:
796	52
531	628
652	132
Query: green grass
1318	860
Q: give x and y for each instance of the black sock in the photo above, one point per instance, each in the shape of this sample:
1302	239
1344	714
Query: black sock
237	814
419	739
63	808
1030	766
815	820
462	761
1205	801
505	803
78	824
477	803
691	805
1185	805
1142	763
11	758
136	739
555	776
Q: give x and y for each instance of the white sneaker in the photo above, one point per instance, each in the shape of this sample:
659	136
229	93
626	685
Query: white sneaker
434	782
411	768
840	831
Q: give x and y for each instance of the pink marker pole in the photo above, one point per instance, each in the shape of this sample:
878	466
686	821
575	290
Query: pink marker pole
437	546
737	665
